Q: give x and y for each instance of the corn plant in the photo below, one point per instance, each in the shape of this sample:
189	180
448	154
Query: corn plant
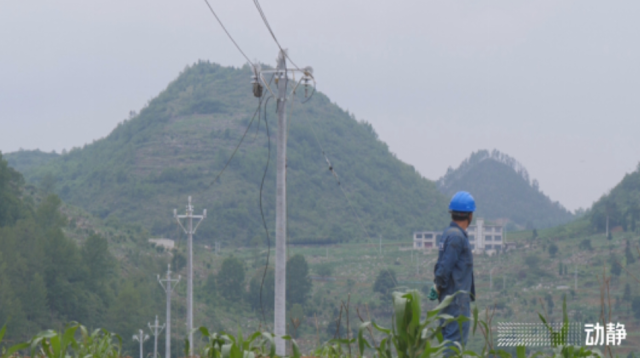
8	352
258	344
97	344
409	336
52	344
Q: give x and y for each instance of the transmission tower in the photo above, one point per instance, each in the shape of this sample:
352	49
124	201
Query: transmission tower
154	330
168	288
190	231
141	337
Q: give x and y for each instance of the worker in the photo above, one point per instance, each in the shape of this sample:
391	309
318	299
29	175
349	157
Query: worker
454	269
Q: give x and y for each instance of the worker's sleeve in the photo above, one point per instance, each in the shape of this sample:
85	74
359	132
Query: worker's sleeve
452	250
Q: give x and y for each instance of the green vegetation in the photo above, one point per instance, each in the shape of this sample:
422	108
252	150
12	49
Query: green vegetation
55	270
621	205
411	336
503	190
149	164
25	160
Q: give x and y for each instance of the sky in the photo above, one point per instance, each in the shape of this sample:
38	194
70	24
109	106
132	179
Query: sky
554	84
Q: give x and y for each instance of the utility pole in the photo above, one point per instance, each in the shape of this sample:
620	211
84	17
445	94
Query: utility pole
281	207
155	332
575	279
417	267
380	237
140	337
190	231
281	80
168	289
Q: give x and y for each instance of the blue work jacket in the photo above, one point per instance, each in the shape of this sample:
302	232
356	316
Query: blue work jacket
454	270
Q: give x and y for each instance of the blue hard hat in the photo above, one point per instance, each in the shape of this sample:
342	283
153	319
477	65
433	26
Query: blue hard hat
462	201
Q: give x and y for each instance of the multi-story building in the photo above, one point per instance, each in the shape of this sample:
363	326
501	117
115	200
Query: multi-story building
482	238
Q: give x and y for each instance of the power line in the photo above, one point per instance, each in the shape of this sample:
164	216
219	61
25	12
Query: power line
335	174
227	32
266	22
236	149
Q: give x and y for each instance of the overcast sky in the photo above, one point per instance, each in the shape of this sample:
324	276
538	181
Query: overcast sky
554	84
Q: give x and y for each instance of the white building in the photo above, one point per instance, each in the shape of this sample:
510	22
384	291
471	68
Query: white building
166	243
482	238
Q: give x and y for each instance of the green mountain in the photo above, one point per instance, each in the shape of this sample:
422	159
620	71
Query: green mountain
181	139
503	190
621	205
25	160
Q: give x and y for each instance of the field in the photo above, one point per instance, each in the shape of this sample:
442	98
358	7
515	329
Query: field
528	283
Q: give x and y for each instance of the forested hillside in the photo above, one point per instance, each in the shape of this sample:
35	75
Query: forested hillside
148	165
621	205
25	160
54	270
503	190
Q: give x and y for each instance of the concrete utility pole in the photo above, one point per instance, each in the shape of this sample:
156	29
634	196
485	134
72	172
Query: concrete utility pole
281	207
140	337
168	289
155	332
190	231
281	80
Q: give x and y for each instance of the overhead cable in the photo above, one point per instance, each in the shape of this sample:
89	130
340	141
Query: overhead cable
227	32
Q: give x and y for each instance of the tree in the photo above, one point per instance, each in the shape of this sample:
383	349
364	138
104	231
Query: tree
37	302
325	270
178	261
585	244
549	300
230	279
532	261
210	288
553	249
629	254
99	261
616	268
635	307
10	306
385	282
298	281
560	268
626	296
10	183
267	291
296	317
